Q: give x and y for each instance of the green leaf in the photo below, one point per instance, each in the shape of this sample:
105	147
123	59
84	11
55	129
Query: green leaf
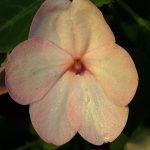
46	146
15	20
140	139
37	145
130	30
99	3
119	143
2	58
32	131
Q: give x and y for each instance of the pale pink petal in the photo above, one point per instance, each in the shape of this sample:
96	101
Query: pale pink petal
3	89
95	117
77	27
33	68
115	71
49	116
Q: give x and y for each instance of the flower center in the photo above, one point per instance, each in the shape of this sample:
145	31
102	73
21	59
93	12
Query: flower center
77	67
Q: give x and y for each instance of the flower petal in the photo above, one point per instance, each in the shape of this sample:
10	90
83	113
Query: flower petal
49	115
77	27
115	71
96	118
33	68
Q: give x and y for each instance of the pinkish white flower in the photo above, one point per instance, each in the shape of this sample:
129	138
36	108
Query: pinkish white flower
73	74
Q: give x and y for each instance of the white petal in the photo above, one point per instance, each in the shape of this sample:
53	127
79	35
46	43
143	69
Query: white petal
33	68
92	114
49	115
115	71
77	27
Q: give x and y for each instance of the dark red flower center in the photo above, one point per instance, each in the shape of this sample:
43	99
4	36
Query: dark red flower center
78	67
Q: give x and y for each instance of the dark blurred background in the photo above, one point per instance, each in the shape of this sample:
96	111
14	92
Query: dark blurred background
130	22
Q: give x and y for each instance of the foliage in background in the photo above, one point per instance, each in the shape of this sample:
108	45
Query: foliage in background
15	20
100	3
140	139
130	23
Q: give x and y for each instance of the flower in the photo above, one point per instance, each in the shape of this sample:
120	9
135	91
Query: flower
73	74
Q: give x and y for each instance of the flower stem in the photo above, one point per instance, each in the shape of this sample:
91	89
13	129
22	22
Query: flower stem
141	21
